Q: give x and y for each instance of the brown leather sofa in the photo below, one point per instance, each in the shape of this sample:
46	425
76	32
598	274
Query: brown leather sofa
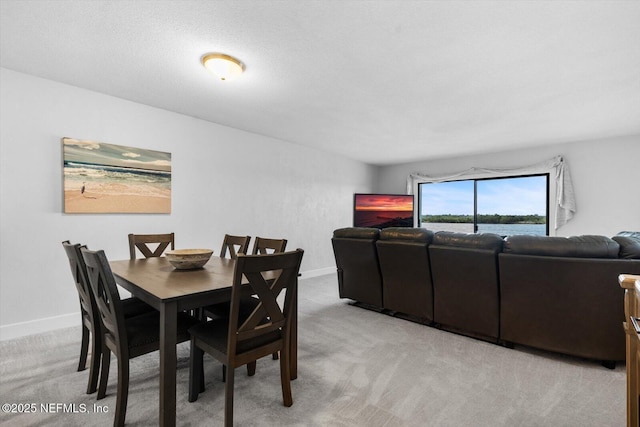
356	256
629	242
553	293
464	268
406	275
558	294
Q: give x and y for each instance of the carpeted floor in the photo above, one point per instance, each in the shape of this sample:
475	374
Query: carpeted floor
356	368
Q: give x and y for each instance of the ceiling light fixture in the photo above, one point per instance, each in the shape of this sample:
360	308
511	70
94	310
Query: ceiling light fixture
222	66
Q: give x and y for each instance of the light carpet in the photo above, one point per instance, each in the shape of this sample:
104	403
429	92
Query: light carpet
355	368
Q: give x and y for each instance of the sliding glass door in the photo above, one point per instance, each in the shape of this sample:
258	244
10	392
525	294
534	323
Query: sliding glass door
504	206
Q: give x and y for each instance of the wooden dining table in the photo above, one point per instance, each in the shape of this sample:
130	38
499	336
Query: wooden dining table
168	290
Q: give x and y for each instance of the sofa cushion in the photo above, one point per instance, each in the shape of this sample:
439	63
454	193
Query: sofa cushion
408	235
469	240
576	246
629	242
634	234
357	233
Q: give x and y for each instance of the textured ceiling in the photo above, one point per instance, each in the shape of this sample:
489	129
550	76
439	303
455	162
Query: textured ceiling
378	81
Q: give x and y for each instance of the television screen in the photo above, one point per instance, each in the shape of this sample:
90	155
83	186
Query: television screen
383	210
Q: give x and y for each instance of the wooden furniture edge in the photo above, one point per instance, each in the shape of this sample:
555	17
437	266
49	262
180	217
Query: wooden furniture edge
628	281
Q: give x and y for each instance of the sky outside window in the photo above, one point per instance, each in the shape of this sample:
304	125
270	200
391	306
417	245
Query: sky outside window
454	197
513	196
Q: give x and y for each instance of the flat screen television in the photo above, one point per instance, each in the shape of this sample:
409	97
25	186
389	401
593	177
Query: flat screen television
382	210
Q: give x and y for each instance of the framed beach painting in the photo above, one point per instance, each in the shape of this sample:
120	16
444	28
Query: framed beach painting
108	178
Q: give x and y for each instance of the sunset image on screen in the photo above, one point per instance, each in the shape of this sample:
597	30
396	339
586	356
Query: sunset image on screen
374	202
383	210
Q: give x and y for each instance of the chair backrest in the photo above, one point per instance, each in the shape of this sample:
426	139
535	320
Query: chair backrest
107	298
141	242
266	246
235	245
79	272
268	276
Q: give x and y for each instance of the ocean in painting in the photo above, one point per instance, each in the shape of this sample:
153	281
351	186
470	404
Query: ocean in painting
501	229
117	180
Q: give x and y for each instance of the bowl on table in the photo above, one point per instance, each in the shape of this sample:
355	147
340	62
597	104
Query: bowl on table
188	259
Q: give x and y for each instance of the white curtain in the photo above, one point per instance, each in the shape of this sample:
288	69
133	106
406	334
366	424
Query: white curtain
557	167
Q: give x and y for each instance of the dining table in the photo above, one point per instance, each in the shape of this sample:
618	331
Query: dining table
170	291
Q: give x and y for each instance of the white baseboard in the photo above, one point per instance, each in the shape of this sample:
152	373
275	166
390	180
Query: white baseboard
21	329
318	272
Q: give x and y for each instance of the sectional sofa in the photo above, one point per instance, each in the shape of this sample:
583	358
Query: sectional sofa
552	293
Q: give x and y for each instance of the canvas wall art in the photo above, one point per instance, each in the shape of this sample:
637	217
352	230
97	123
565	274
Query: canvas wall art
108	178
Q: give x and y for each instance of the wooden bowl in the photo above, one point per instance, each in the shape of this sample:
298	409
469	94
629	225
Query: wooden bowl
188	259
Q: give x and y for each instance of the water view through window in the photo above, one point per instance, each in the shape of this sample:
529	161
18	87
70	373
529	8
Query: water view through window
504	206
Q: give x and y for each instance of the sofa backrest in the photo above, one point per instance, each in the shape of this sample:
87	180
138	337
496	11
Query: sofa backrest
405	269
568	284
629	242
407	235
635	234
565	304
586	246
464	269
488	241
357	233
356	257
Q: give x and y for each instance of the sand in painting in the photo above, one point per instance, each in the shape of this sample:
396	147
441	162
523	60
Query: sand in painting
94	202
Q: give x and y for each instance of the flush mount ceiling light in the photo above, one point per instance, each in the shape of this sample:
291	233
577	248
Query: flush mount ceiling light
222	66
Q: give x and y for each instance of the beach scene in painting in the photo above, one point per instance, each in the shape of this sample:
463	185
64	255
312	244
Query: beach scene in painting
108	178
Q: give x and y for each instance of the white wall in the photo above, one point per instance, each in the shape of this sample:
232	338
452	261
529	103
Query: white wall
605	174
224	181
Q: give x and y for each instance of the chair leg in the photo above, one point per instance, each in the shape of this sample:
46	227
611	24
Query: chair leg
251	368
275	355
196	374
285	378
104	372
94	367
224	373
84	348
123	391
228	398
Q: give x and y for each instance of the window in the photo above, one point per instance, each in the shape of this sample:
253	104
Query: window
504	206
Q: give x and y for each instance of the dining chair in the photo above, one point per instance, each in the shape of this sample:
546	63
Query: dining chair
267	330
163	241
90	318
248	304
234	245
142	241
263	245
127	338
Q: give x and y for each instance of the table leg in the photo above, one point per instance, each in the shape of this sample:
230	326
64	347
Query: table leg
168	362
